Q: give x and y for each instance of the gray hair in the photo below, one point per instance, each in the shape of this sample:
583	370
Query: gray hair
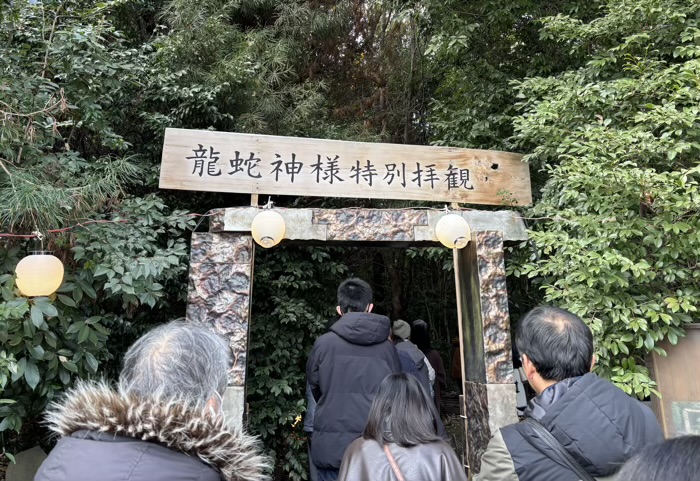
178	360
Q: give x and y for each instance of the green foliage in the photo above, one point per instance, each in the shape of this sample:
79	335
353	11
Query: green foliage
122	273
603	96
293	299
476	49
63	68
619	139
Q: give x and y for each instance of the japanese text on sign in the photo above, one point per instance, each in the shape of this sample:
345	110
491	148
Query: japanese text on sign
230	162
325	169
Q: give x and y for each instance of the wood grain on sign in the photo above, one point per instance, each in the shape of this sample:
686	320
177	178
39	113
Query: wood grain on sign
262	164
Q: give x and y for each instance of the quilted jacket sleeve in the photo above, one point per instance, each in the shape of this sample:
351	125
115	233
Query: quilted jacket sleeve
496	463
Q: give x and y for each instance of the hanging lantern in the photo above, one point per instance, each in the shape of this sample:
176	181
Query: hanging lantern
39	274
268	228
453	231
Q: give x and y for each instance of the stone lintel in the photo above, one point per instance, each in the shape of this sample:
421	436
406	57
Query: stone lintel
398	225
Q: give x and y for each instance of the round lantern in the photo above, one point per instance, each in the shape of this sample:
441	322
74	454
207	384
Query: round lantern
39	274
453	231
268	228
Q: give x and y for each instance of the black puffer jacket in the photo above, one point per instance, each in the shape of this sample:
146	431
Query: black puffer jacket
596	422
345	368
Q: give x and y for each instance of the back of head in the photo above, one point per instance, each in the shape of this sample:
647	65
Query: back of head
402	413
178	360
420	335
354	295
559	343
676	459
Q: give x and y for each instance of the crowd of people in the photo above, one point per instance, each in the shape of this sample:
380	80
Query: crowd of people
374	392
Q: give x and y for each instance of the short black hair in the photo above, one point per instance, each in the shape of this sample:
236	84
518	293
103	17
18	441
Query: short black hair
677	459
402	412
354	295
559	343
420	335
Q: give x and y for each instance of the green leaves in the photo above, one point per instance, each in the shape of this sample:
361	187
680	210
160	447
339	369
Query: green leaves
292	299
620	208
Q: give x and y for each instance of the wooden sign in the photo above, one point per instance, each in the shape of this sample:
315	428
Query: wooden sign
263	164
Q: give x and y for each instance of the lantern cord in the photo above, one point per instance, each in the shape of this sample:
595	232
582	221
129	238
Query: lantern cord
38	235
269	205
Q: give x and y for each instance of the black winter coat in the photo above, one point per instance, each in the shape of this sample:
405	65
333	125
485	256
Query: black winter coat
345	368
595	421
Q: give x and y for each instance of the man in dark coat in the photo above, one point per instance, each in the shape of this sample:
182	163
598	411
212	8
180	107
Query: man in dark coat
163	423
595	422
345	368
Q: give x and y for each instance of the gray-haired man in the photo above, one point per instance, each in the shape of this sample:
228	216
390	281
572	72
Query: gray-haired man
163	422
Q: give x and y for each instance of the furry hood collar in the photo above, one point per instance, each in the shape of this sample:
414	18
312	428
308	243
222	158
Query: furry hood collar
97	407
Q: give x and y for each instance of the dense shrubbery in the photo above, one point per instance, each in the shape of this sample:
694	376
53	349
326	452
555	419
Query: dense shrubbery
605	102
619	237
602	96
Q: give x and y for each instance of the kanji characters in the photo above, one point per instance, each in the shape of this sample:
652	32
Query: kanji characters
200	156
457	178
329	173
250	164
392	172
292	167
368	172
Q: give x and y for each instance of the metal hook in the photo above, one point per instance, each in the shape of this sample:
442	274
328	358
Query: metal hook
39	236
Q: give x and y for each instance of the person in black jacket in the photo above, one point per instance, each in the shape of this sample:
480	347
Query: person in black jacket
345	368
595	422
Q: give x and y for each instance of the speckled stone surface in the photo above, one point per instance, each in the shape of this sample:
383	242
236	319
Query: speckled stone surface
370	224
478	431
494	307
216	220
219	291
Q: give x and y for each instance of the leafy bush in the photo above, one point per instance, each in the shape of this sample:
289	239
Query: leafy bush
617	236
120	278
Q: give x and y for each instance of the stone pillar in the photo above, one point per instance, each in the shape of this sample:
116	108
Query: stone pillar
219	293
489	389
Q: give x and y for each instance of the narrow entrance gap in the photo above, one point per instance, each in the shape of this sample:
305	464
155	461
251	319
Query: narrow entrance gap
293	303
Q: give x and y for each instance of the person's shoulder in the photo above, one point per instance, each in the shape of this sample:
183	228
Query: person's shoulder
363	446
326	338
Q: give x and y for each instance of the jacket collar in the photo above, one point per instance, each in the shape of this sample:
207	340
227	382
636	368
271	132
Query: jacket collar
539	405
362	328
96	407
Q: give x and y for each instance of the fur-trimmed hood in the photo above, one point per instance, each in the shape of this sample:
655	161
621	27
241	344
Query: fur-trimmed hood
97	407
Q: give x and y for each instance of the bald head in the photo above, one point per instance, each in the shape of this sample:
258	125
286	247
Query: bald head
558	343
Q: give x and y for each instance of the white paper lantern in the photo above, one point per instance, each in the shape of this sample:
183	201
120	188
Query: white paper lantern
39	274
453	231
268	228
